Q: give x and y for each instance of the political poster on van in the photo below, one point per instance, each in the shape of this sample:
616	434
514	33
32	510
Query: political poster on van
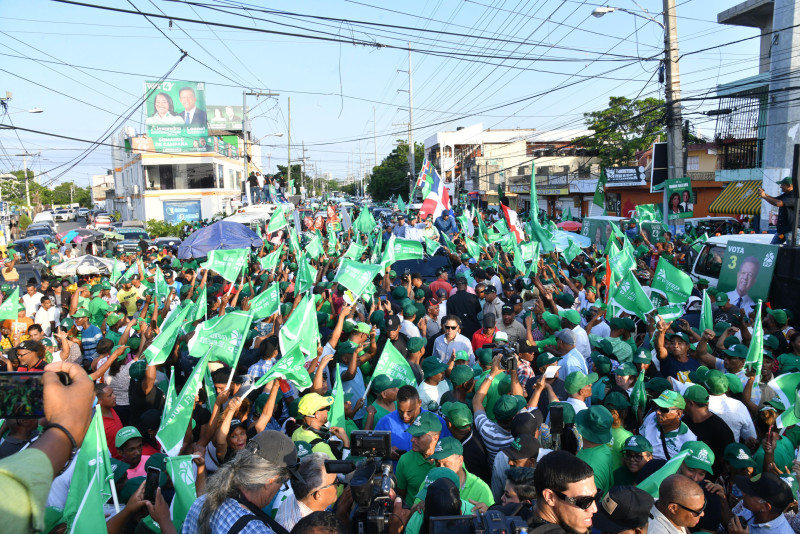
746	273
176	116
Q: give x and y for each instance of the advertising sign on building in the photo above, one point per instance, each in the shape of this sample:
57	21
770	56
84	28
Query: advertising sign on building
178	211
625	176
746	272
176	116
225	118
680	204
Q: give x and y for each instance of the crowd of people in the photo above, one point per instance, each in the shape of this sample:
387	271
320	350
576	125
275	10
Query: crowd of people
506	383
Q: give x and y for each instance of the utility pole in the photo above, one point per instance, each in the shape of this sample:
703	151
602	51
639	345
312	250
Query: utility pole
673	94
374	137
411	128
289	141
27	181
303	178
71	194
245	94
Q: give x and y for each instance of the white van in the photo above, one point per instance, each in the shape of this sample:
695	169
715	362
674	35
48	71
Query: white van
709	261
46	218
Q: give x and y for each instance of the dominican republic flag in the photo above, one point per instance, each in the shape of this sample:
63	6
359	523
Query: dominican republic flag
434	194
513	223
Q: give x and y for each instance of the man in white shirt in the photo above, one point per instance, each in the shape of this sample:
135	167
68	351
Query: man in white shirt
679	507
664	426
408	326
46	316
314	490
452	341
31	299
573	322
732	411
571	359
579	388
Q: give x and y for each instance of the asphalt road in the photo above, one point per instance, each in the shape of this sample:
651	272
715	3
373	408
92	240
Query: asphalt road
66	226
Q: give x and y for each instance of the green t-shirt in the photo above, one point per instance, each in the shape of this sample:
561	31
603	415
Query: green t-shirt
623	477
301	434
98	308
618	438
600	460
380	412
491	396
476	490
412	468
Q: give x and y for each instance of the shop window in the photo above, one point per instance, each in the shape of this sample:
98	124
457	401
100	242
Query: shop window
693	163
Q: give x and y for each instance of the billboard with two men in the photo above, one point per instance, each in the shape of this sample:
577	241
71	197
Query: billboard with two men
176	116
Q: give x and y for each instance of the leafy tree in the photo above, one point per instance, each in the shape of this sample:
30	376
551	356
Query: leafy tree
297	172
391	176
623	129
163	229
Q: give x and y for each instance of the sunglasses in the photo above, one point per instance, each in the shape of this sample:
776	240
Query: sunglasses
663	410
584	502
451	328
336	483
633	456
695	513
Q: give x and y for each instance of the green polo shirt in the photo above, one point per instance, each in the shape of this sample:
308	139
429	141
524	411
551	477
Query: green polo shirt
618	438
600	460
301	434
412	468
477	490
98	308
380	412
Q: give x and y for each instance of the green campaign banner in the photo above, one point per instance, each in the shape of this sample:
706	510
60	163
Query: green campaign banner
679	198
670	285
394	365
746	272
176	116
599	231
652	230
225	118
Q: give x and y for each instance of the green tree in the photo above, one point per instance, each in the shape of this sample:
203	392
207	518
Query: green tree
297	172
391	176
623	129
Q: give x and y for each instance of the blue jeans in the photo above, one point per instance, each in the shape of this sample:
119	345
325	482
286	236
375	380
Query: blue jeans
266	193
777	239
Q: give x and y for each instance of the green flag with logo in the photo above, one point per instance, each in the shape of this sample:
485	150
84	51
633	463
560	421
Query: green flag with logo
306	275
294	243
472	248
201	306
301	328
133	269
365	222
706	313
755	354
648	212
541	236
448	243
116	272
621	261
211	391
159	350
394	365
639	397
354	251
270	261
181	472
314	247
161	288
175	423
172	396
786	390
599	198
266	303
572	251
356	276
227	263
277	220
697	246
291	367
9	309
431	246
223	337
398	249
630	297
670	285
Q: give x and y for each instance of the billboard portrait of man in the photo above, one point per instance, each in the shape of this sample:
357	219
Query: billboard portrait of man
192	116
745	280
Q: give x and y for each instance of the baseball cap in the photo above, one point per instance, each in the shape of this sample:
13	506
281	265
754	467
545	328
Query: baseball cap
700	456
424	423
382	382
275	447
626	369
461	374
771	342
546	358
576	380
433	475
392	323
526	422
738	456
489	320
617	401
736	351
716	382
523	446
637	443
125	434
457	414
484	356
499	335
670	399
642	356
415	344
552	320
312	403
697	394
721	298
363	328
623	508
567	336
432	366
507	407
734	383
786	181
779	316
594	424
507	310
446	447
571	315
462	355
80	312
767	486
345	347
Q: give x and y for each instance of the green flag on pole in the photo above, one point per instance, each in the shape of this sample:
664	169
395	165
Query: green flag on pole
786	387
670	285
90	485
600	192
394	365
706	316
431	246
630	297
306	275
755	354
653	482
472	248
211	391
648	212
201	306
172	396
314	247
175	423
227	263
181	472
301	328
291	367
356	276
159	350
266	303
337	417
697	246
354	251
133	269
401	205
639	397
448	243
9	309
365	222
541	236
398	249
270	261
116	272
222	337
572	251
568	216
277	220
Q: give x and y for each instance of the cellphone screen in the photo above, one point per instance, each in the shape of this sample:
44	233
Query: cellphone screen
21	395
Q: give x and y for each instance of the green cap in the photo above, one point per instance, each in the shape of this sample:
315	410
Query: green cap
670	399
433	475
546	358
568	411
779	316
5	288
137	369
447	447
642	356
462	355
461	374
80	312
303	449
734	384
363	328
786	181
637	443
119	469
67	323
131	486
697	394
594	424
738	456
552	320
737	351
507	406
716	382
415	344
721	298
720	327
382	382
484	356
457	413
431	366
626	369
576	381
424	423
700	456
409	310
346	347
124	434
571	315
602	364
771	342
113	319
617	401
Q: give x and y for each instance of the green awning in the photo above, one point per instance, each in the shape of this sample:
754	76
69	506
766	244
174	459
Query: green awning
738	198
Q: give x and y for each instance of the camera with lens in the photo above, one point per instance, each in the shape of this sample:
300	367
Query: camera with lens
371	482
490	522
508	352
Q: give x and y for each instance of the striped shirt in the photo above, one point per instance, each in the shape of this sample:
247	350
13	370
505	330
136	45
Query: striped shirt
494	437
291	511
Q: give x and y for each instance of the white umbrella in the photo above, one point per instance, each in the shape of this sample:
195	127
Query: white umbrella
84	265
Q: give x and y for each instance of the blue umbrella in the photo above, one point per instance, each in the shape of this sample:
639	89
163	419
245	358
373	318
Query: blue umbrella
561	240
222	235
70	236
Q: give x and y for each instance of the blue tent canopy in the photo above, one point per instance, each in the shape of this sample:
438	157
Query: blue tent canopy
222	235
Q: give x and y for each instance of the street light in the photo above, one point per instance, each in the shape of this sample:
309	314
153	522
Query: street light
34	110
257	141
602	10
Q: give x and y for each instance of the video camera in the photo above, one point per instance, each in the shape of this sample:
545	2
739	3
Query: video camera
371	482
508	351
490	522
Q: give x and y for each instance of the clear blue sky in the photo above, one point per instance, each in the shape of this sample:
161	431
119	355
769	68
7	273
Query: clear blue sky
580	61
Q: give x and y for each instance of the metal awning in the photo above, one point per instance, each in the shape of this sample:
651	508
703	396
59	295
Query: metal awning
738	198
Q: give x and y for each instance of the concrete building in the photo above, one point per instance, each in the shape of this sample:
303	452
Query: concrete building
101	185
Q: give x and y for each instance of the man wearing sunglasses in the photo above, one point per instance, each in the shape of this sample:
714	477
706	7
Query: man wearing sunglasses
567	493
314	490
680	506
664	428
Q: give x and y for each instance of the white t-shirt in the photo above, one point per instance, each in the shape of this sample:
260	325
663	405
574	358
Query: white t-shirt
428	393
32	303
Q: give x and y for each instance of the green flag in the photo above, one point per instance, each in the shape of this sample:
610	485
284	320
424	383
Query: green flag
630	297
270	261
572	251
227	263
431	246
266	303
568	216
161	288
697	246
89	487
175	423
354	251
291	367
648	212
9	309
172	396
201	307
181	472
755	354
294	243
337	417
786	387
465	224
222	337
377	250
306	275
639	397
670	285
541	236
501	227
401	205
621	261
159	350
116	272
365	222
211	391
600	192
483	229
402	249
301	328
472	248
356	276
394	365
133	269
277	220
533	211
529	251
448	243
706	316
314	247
653	482
670	312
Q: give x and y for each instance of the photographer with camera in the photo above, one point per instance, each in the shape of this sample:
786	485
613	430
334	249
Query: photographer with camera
313	490
314	409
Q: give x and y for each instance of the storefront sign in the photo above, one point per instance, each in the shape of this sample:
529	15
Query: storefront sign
625	176
552	191
177	211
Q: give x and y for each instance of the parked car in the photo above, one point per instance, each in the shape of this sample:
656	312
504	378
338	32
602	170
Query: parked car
169	242
132	237
83	212
26	272
39	231
102	222
45	217
45	224
62	214
21	246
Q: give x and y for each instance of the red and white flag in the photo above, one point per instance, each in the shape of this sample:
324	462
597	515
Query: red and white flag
437	199
513	223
